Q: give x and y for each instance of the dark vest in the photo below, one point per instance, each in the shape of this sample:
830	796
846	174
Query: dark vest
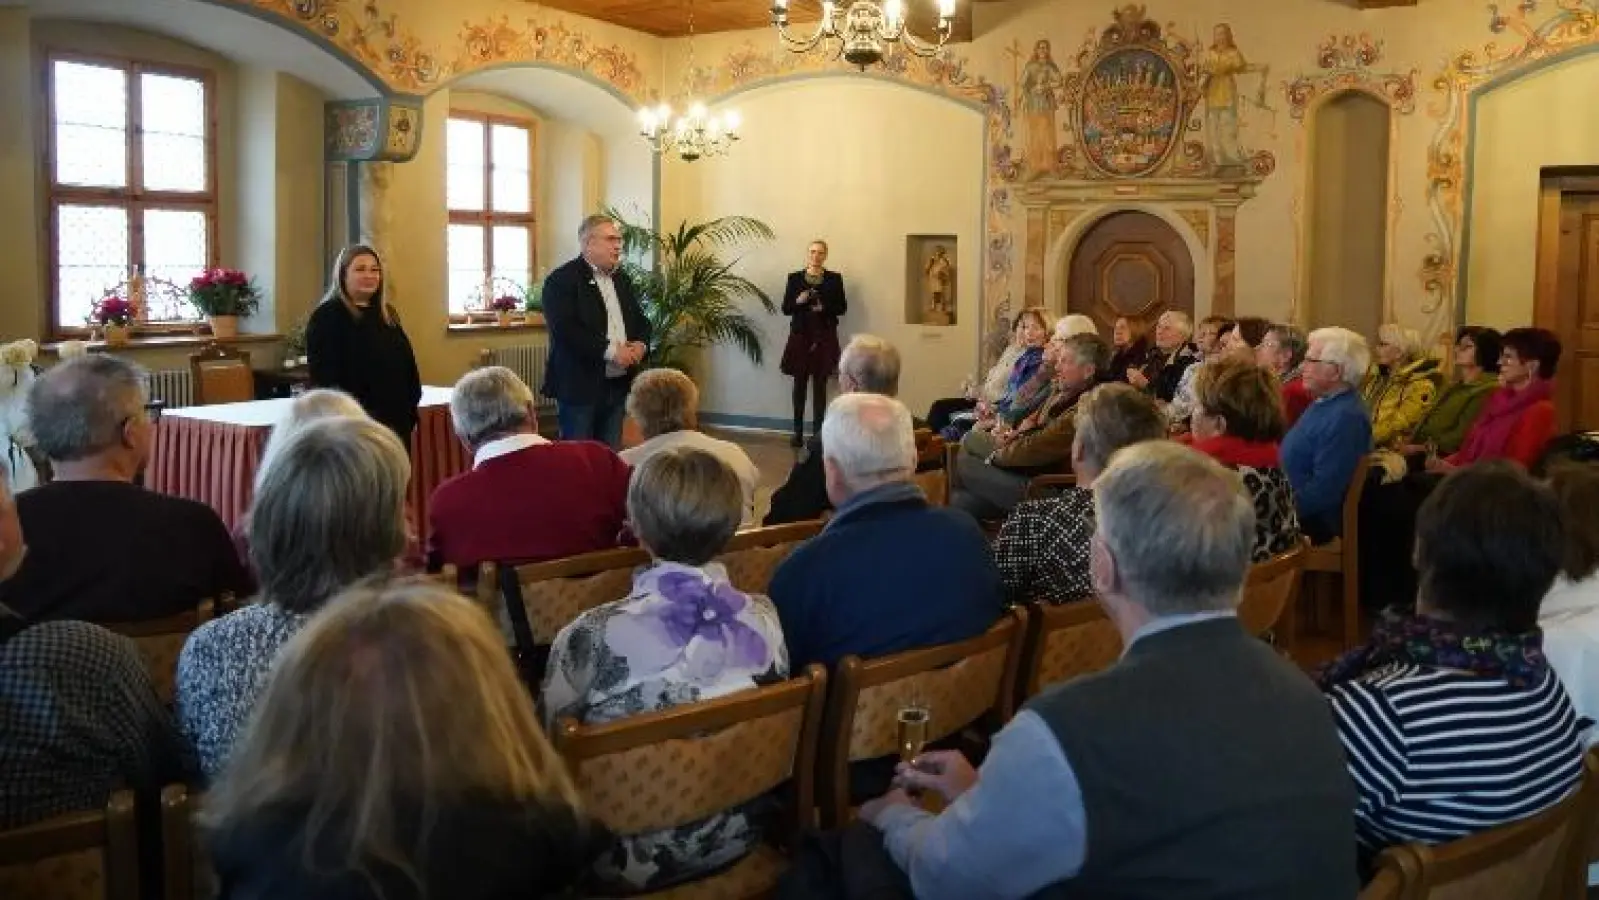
1210	768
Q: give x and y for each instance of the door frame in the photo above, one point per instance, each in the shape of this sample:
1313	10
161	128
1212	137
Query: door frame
1556	278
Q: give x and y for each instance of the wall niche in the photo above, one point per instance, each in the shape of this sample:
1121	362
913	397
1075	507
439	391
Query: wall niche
930	279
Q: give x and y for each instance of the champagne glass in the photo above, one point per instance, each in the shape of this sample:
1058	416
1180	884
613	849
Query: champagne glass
913	721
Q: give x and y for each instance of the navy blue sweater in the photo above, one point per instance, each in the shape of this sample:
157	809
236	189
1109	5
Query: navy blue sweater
887	574
1319	456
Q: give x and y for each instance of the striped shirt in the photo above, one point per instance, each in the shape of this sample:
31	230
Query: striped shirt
1438	754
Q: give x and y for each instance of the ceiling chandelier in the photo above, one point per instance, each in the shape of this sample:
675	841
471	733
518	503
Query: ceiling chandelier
864	30
694	134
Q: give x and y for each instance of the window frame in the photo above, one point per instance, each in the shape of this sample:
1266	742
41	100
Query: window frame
132	198
487	218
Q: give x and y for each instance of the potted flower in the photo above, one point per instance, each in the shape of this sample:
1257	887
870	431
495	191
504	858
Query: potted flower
503	306
222	296
114	313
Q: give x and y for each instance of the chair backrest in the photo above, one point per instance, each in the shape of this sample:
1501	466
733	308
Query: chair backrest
556	592
958	683
929	448
1067	641
935	484
1042	486
1536	858
221	375
1396	878
669	768
186	870
160	641
752	556
81	856
1351	511
1270	592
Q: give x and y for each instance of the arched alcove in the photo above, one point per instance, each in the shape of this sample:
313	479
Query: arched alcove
1346	213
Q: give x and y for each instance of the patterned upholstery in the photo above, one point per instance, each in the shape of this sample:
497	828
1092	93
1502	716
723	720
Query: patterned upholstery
1072	640
672	783
161	640
751	570
754	876
83	856
552	604
955	695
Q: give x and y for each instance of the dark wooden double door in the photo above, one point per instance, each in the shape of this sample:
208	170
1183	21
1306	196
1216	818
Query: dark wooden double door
1130	264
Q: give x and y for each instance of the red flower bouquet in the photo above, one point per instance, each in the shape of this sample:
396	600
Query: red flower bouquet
224	292
112	310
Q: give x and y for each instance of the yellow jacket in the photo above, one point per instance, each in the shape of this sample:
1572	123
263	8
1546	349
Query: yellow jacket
1399	398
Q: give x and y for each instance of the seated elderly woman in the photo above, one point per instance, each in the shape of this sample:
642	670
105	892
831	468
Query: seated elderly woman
1519	418
1401	385
1443	427
1042	549
1238	420
329	510
395	756
1452	719
665	404
683	635
1210	339
961	412
1021	395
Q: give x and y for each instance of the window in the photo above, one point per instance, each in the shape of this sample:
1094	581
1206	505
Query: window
131	183
489	191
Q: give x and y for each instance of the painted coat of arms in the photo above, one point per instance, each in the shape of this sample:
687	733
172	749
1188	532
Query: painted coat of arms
1131	111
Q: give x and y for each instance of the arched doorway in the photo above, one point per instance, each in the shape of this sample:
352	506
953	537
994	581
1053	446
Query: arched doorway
1129	264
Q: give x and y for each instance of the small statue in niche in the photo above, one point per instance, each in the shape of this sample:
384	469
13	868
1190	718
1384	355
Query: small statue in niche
939	277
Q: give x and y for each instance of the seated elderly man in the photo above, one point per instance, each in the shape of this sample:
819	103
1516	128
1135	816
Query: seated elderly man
1323	449
156	555
889	572
665	404
79	717
1171	356
1077	797
868	364
526	499
993	468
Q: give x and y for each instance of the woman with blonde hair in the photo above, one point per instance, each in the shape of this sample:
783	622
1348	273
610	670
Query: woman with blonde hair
355	344
1401	385
395	756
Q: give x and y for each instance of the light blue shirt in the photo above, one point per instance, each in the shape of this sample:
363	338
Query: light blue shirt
997	840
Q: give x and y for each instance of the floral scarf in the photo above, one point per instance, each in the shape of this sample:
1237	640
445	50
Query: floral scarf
1026	367
1435	643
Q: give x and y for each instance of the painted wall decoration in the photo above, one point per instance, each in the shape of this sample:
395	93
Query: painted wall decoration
1130	110
1347	63
370	130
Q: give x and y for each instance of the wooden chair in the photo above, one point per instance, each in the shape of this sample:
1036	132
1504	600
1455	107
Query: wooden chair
752	556
1049	485
186	871
1536	858
556	592
931	475
221	375
669	768
1271	592
1341	555
1066	641
160	641
958	683
81	856
935	484
1395	879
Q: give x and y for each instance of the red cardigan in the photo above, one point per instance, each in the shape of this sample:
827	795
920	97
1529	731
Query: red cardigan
1532	433
543	502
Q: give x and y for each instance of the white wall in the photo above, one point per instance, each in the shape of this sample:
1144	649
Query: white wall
860	163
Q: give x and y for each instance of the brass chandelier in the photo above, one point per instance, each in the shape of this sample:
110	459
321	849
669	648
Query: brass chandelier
863	31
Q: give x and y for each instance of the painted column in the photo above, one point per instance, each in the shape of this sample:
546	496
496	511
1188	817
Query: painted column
1226	260
1033	282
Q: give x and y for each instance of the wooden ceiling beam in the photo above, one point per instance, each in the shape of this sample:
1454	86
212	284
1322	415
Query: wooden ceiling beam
1383	4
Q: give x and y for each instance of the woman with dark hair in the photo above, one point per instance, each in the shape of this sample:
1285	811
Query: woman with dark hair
1519	418
1129	345
1245	337
356	345
1443	428
813	299
1452	720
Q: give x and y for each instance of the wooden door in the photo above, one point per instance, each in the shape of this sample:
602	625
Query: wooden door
1130	264
1575	316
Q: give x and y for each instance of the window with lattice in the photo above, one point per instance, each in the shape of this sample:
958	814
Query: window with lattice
489	192
132	187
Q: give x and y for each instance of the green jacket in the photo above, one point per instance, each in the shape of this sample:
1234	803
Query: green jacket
1451	416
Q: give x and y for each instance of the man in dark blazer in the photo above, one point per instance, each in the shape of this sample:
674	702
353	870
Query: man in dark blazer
598	336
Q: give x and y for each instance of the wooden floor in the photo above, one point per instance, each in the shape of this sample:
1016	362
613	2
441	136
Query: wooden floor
772	456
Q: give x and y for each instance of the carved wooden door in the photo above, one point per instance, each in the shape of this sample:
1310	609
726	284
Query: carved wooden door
1130	264
1576	317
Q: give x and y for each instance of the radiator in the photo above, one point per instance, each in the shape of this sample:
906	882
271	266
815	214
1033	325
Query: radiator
174	387
526	360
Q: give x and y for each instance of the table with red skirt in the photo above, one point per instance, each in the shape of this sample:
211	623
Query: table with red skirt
211	453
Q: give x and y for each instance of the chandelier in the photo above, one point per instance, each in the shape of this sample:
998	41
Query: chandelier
864	30
694	134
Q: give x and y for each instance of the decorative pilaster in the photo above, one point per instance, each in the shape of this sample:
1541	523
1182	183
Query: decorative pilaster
1033	274
1226	259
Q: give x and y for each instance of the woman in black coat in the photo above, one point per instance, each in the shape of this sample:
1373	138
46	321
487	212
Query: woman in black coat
813	300
356	345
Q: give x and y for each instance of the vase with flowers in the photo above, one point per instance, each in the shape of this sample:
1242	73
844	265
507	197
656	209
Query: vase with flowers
114	313
222	296
503	306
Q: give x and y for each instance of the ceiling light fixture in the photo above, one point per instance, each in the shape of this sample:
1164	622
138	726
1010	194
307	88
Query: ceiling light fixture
696	133
864	30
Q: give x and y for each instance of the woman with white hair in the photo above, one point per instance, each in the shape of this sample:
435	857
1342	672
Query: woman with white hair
1322	451
1401	385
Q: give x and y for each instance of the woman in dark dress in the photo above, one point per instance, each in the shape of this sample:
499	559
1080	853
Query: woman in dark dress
356	344
813	300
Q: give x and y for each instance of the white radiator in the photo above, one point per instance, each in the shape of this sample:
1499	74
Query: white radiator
174	387
527	361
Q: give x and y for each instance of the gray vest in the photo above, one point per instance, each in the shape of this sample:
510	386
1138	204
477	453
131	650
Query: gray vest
1210	768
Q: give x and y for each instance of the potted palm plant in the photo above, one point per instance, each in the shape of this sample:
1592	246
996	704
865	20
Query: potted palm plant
691	295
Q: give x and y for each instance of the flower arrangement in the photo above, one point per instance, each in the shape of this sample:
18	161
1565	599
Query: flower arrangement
18	354
505	303
224	292
112	309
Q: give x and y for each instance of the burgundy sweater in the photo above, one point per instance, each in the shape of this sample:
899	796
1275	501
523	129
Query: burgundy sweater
543	502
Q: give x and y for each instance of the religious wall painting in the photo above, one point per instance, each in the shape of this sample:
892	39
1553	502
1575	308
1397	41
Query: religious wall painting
1130	112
